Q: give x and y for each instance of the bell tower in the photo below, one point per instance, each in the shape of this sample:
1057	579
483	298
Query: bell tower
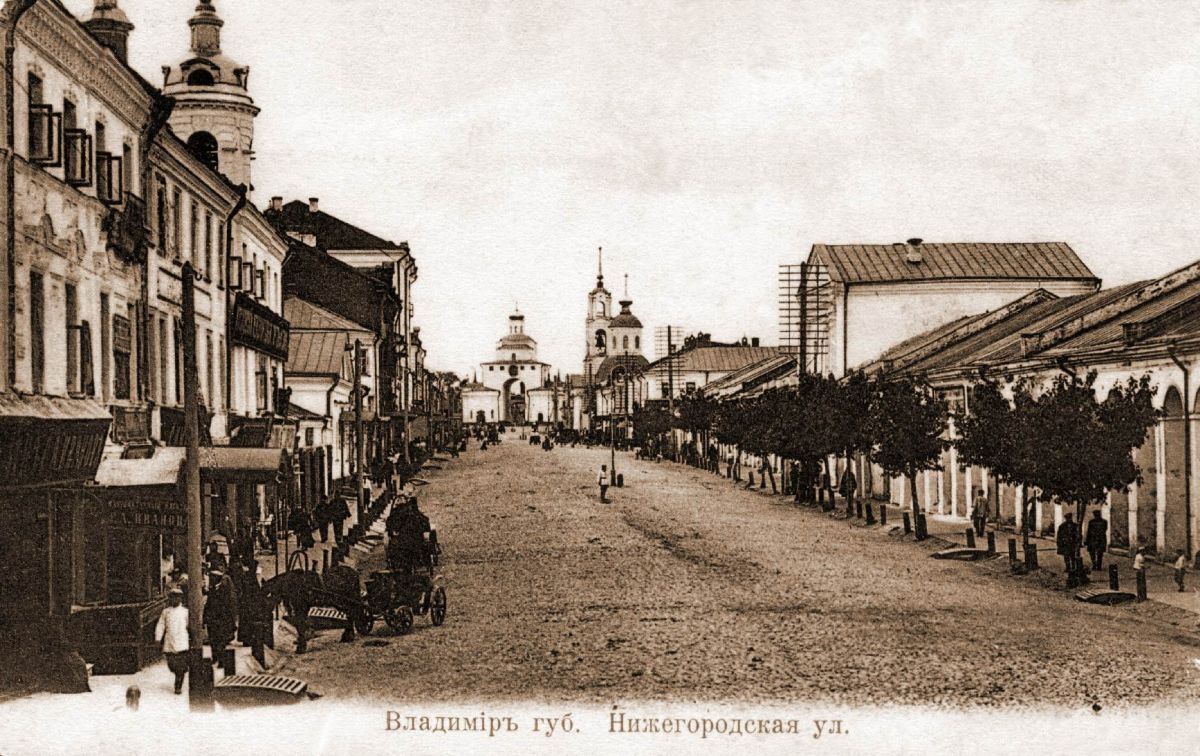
599	316
214	112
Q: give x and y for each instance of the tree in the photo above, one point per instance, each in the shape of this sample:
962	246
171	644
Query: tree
985	433
907	426
650	422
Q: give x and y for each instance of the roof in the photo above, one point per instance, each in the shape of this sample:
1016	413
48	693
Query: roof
37	407
752	373
330	231
1112	332
625	318
634	362
308	316
316	352
296	412
720	358
317	277
890	263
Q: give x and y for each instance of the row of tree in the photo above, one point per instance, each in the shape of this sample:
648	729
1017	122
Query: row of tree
1059	441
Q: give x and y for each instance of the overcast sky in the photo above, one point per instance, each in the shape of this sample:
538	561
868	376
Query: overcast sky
704	143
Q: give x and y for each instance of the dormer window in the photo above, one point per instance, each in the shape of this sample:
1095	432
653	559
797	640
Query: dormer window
200	77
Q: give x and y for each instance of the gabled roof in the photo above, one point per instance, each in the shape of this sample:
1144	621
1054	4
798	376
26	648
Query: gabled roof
308	316
1112	333
890	263
751	375
296	412
315	276
330	231
717	358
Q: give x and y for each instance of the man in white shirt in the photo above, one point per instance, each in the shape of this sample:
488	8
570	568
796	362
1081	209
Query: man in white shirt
602	479
172	631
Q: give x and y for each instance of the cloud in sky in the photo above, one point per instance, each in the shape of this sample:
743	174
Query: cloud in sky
703	143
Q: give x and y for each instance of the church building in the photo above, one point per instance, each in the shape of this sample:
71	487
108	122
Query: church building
500	392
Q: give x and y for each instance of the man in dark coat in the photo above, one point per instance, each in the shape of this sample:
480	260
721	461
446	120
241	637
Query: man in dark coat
220	612
1096	539
302	525
1067	540
322	516
794	479
339	512
849	488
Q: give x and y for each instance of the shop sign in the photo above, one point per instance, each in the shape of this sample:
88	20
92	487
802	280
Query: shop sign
163	513
257	327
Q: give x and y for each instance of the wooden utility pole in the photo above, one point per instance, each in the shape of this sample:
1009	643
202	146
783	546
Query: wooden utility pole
191	486
802	363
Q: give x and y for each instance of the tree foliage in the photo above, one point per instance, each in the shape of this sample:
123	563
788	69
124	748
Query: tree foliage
907	425
650	422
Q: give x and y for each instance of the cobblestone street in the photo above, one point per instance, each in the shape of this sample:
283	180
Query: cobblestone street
685	588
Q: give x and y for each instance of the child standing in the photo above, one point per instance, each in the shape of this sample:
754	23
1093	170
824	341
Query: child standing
1180	568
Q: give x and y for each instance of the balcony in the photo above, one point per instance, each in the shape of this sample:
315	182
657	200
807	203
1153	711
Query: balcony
128	236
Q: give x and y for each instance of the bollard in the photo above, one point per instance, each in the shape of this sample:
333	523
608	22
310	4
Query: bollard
970	538
1140	576
907	523
1031	558
620	480
991	541
858	508
922	527
1012	550
870	513
883	514
1114	582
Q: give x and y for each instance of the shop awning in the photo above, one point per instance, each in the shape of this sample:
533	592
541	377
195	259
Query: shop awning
15	407
50	440
244	464
162	469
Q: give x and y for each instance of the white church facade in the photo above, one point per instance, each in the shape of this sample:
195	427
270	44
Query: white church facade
501	390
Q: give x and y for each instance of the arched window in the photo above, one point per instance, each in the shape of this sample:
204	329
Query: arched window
624	342
204	146
201	77
637	342
601	339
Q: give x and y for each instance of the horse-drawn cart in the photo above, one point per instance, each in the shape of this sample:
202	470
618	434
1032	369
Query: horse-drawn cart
398	596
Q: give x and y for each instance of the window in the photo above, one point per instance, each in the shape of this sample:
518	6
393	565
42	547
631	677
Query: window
665	389
637	342
45	126
220	251
194	237
105	348
37	331
204	145
163	345
260	383
71	306
208	370
110	176
176	223
160	213
208	245
201	77
309	437
624	342
220	388
601	340
126	168
177	366
77	149
121	349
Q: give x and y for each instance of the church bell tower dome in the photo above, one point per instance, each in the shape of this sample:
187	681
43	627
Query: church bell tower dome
214	112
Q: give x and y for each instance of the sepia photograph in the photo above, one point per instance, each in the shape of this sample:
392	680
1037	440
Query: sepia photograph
600	377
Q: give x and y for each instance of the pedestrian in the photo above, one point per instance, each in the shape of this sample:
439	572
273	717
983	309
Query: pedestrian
1067	540
979	511
178	580
339	512
729	467
1096	539
848	488
794	475
1180	568
322	515
172	632
220	612
1139	572
302	525
602	481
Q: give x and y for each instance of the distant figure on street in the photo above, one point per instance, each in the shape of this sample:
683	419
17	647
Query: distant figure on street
602	481
1096	539
849	488
178	580
1067	539
220	612
979	511
172	632
794	479
322	516
1139	572
302	525
1180	568
767	472
339	512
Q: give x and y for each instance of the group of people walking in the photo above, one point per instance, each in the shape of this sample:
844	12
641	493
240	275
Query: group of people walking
330	514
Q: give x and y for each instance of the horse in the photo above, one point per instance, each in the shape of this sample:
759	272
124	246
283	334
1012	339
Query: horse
301	589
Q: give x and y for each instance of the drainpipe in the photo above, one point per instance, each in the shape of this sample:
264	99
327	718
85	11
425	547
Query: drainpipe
1065	366
229	296
17	10
160	112
1187	449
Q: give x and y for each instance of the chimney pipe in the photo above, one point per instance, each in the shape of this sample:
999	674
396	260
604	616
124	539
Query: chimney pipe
312	204
277	203
754	341
914	242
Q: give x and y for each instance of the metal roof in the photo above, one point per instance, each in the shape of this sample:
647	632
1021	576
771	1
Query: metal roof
1112	331
889	263
316	352
305	315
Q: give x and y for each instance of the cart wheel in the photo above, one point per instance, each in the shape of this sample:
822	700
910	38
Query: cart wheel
399	618
437	606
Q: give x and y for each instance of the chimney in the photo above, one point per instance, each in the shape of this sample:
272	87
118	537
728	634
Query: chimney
313	203
110	26
913	256
277	203
754	341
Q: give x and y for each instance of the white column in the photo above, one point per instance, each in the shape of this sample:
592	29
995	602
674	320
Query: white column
1106	513
1058	515
954	482
925	505
1019	505
1160	512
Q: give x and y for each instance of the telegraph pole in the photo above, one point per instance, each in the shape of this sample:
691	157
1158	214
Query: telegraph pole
360	456
199	678
802	363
